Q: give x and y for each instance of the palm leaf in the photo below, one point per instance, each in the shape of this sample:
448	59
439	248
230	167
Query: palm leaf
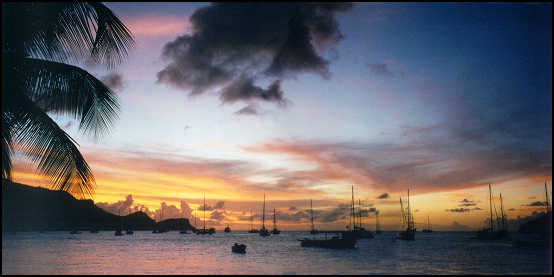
62	88
64	31
54	150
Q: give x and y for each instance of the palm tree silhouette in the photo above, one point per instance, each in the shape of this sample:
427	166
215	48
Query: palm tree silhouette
37	38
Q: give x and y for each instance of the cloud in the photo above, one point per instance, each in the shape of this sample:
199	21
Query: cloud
113	80
383	196
251	109
219	205
467	203
380	69
535	204
233	45
120	207
158	26
292	208
433	158
243	89
217	215
458	210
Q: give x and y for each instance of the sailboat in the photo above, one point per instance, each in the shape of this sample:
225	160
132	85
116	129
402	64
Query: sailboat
490	233
377	226
204	230
356	229
227	229
264	232
313	231
408	221
275	231
252	230
428	227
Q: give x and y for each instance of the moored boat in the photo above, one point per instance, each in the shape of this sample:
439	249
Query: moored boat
238	248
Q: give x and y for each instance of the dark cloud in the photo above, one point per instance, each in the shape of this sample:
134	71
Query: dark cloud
219	205
234	45
467	203
511	209
113	80
292	208
251	109
535	204
244	89
383	196
458	210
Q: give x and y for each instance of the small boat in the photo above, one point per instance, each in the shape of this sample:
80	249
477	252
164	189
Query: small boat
408	221
227	229
428	227
264	232
74	232
129	232
335	242
238	248
275	231
118	232
313	231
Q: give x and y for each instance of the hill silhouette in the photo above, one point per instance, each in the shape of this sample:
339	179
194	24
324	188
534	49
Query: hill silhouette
27	208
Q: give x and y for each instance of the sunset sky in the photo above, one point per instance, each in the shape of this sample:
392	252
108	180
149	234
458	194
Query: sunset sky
237	100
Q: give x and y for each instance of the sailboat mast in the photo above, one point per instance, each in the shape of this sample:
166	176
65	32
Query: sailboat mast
502	212
312	214
204	211
490	205
360	210
352	219
409	212
263	215
546	193
251	220
274	222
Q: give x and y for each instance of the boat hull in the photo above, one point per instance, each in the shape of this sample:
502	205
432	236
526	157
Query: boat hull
406	235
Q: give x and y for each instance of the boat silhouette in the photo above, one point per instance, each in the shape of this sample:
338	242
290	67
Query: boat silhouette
492	232
408	222
275	231
313	231
239	248
428	227
263	232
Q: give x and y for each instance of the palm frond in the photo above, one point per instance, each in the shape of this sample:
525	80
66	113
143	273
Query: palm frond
62	88
6	146
67	31
54	150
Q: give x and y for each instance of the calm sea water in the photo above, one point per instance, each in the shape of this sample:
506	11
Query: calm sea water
174	253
